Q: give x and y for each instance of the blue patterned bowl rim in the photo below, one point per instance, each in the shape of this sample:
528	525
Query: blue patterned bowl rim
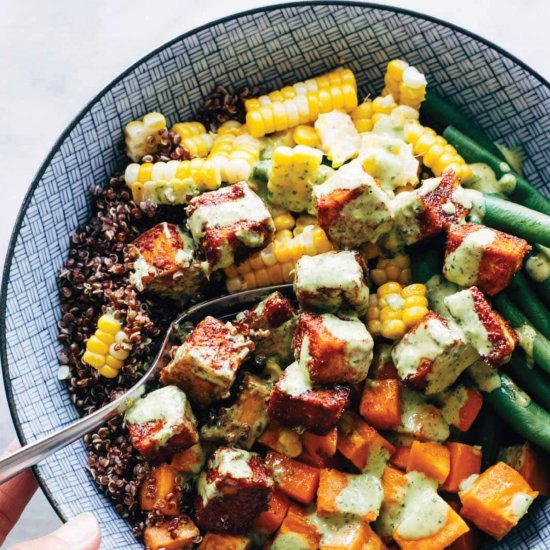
23	210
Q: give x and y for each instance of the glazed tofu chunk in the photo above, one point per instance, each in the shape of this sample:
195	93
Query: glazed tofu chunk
165	263
484	329
486	258
351	208
205	365
245	420
228	225
331	281
432	355
432	208
233	489
294	403
162	423
333	350
271	326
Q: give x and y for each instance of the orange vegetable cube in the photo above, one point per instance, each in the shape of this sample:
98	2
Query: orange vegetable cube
432	459
281	439
355	535
215	541
497	500
159	491
381	403
189	461
296	480
394	485
465	461
468	541
319	449
401	456
531	464
297	531
461	406
165	537
277	508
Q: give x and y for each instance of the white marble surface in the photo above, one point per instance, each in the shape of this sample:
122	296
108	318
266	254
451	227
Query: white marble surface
55	56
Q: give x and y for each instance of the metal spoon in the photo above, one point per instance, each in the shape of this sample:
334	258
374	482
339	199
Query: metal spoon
223	308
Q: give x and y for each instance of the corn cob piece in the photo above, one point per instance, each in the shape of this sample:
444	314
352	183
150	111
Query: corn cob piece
189	129
396	269
405	83
436	153
306	135
194	138
143	136
394	309
275	264
362	116
292	175
368	113
172	182
338	77
107	348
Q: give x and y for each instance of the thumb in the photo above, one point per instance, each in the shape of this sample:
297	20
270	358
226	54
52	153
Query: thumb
79	533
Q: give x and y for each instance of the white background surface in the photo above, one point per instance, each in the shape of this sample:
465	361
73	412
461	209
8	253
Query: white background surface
55	56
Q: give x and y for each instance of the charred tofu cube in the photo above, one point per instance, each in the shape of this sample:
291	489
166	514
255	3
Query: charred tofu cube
205	365
245	420
351	208
432	355
162	423
334	350
233	489
165	263
484	329
486	258
294	402
331	281
271	326
434	207
228	225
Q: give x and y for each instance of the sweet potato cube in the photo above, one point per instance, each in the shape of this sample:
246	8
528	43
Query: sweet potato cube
162	423
432	459
476	255
296	532
189	461
381	404
205	365
177	534
319	449
277	507
281	439
242	422
530	462
496	500
294	403
164	262
460	406
394	486
382	366
342	494
400	457
484	329
232	491
295	479
159	491
362	445
216	541
465	461
469	540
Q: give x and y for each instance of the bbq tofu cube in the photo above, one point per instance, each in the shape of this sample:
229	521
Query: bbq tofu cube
333	349
435	206
228	225
351	208
432	355
271	326
332	281
294	402
232	490
164	262
486	258
484	329
245	420
162	423
205	365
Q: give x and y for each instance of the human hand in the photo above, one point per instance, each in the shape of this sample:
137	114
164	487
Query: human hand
79	533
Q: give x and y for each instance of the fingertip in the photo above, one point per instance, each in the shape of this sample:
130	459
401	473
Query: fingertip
81	532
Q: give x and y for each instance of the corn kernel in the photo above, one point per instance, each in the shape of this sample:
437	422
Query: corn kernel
93	359
256	261
387	314
413	315
250	280
373	313
416	300
262	278
231	271
416	289
234	284
288	272
393	271
391	287
113	362
402	261
374	327
393	329
370	250
306	135
107	323
283	221
108	372
244	267
95	345
378	276
118	353
105	337
406	276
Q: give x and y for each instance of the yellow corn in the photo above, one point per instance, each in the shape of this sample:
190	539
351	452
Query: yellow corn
306	135
275	264
370	251
292	175
406	84
198	146
143	136
366	115
107	348
362	116
436	153
285	220
189	129
394	309
396	269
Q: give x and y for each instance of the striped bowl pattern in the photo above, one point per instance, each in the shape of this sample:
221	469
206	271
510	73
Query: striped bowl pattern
271	46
